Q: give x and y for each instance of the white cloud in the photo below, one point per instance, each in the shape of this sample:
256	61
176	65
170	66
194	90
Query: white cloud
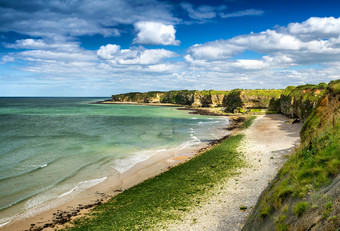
54	19
155	33
282	57
284	42
202	12
267	41
40	44
217	50
49	55
107	52
6	59
316	28
249	64
249	12
133	56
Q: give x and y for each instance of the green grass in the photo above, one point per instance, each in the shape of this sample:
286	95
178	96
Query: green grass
168	195
263	92
248	122
300	208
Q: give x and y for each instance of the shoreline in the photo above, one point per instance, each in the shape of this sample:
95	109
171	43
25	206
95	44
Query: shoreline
74	206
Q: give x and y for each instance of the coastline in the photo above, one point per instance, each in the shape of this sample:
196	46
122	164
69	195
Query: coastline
73	206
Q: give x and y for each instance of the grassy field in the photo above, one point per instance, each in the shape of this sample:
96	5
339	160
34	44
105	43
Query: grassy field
167	196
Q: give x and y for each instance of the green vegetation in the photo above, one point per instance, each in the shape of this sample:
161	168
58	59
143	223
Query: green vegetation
263	92
248	122
168	195
300	208
280	223
242	207
327	209
214	92
255	110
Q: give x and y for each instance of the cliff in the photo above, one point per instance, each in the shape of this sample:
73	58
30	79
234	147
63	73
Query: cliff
183	97
305	193
300	101
232	100
239	100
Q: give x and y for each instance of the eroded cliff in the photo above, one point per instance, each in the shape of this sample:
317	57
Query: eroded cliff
233	101
305	195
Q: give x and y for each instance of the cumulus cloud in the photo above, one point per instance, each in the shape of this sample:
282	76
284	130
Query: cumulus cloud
133	56
284	42
216	50
315	28
155	33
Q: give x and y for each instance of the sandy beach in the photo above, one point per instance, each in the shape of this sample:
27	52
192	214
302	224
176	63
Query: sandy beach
264	148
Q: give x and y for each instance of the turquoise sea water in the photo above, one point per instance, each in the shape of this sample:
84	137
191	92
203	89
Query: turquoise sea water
49	146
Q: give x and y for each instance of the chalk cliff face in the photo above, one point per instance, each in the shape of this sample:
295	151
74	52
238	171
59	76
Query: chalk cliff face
305	193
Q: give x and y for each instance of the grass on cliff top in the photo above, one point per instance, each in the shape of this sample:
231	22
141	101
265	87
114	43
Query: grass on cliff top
167	196
269	93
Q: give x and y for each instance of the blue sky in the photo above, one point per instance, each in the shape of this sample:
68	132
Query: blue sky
104	47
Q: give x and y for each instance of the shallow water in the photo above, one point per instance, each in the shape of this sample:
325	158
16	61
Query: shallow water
51	147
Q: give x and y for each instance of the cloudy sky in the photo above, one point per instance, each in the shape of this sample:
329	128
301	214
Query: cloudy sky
104	47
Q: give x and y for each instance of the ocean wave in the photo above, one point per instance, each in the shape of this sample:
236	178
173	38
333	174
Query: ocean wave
30	171
4	222
68	192
60	192
208	122
123	165
48	187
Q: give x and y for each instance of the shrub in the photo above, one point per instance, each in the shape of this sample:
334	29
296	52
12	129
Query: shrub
300	208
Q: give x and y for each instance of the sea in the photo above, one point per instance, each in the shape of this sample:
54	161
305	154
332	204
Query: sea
50	147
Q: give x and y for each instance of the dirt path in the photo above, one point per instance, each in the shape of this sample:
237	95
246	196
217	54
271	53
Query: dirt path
265	145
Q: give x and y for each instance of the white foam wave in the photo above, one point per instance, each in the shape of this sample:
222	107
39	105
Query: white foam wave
123	165
72	190
59	192
4	222
43	166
